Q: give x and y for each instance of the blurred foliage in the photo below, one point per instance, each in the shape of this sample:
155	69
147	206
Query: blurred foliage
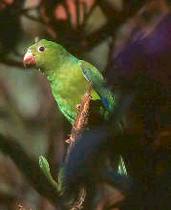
65	21
28	112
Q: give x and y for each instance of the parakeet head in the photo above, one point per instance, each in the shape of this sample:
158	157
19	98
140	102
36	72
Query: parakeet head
44	54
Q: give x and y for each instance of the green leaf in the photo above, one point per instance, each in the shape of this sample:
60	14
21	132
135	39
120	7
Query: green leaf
44	165
121	167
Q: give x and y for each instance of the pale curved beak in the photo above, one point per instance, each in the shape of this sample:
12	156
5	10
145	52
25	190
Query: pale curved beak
29	59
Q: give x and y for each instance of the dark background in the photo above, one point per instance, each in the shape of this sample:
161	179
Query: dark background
30	124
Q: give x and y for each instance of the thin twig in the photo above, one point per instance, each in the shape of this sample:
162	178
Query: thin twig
28	9
78	12
88	14
31	17
11	62
67	12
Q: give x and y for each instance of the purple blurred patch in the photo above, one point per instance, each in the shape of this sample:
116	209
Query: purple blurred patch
150	55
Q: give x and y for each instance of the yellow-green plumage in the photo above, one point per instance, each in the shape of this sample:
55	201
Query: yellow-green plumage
69	77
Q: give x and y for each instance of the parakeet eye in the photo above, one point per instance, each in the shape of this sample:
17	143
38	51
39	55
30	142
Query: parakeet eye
41	49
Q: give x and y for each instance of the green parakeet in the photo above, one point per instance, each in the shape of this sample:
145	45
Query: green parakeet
69	77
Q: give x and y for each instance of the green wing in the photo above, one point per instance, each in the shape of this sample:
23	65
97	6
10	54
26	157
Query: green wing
99	85
108	99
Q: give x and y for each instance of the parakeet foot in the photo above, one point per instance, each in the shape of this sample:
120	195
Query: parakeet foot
78	106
